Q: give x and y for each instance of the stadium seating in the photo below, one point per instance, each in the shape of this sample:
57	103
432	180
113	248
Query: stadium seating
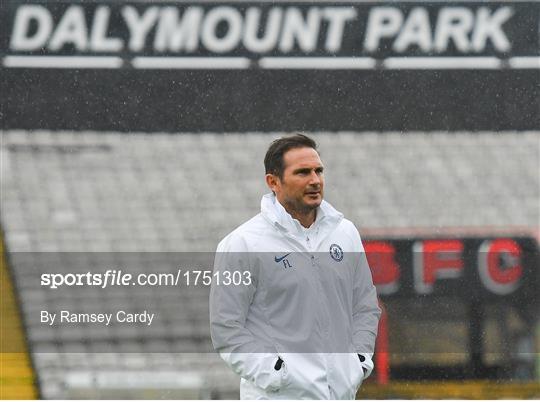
129	194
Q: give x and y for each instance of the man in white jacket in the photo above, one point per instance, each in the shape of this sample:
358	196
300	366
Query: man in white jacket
300	319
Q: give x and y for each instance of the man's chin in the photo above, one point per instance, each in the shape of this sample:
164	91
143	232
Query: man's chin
312	202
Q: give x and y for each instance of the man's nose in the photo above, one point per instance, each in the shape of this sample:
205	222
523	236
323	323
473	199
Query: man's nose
314	178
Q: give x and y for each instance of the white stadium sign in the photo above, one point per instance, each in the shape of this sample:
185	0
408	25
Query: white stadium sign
274	35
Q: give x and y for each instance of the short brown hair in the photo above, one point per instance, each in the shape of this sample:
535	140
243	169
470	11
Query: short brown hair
273	160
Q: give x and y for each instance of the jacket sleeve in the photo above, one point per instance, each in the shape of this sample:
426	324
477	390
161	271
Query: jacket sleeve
366	311
229	307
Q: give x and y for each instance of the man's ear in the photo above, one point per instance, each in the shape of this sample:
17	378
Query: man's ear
272	181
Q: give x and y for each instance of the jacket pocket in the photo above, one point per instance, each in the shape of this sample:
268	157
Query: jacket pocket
279	376
358	374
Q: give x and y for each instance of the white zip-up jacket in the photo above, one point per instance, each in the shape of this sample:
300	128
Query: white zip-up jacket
309	302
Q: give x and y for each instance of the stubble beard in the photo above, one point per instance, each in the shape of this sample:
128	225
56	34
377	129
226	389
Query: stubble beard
298	207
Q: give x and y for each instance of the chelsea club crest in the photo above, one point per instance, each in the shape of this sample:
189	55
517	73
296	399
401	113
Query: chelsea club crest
336	252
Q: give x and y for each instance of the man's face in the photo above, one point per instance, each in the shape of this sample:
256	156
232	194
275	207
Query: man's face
301	187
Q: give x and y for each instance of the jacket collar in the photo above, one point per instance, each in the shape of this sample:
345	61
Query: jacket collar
276	214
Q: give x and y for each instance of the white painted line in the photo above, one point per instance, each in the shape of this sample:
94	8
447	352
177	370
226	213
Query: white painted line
62	62
525	62
433	63
333	3
312	63
191	62
318	63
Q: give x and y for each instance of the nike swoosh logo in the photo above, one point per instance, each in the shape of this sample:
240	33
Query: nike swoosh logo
280	258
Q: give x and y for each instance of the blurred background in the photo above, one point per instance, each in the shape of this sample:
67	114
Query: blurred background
133	135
